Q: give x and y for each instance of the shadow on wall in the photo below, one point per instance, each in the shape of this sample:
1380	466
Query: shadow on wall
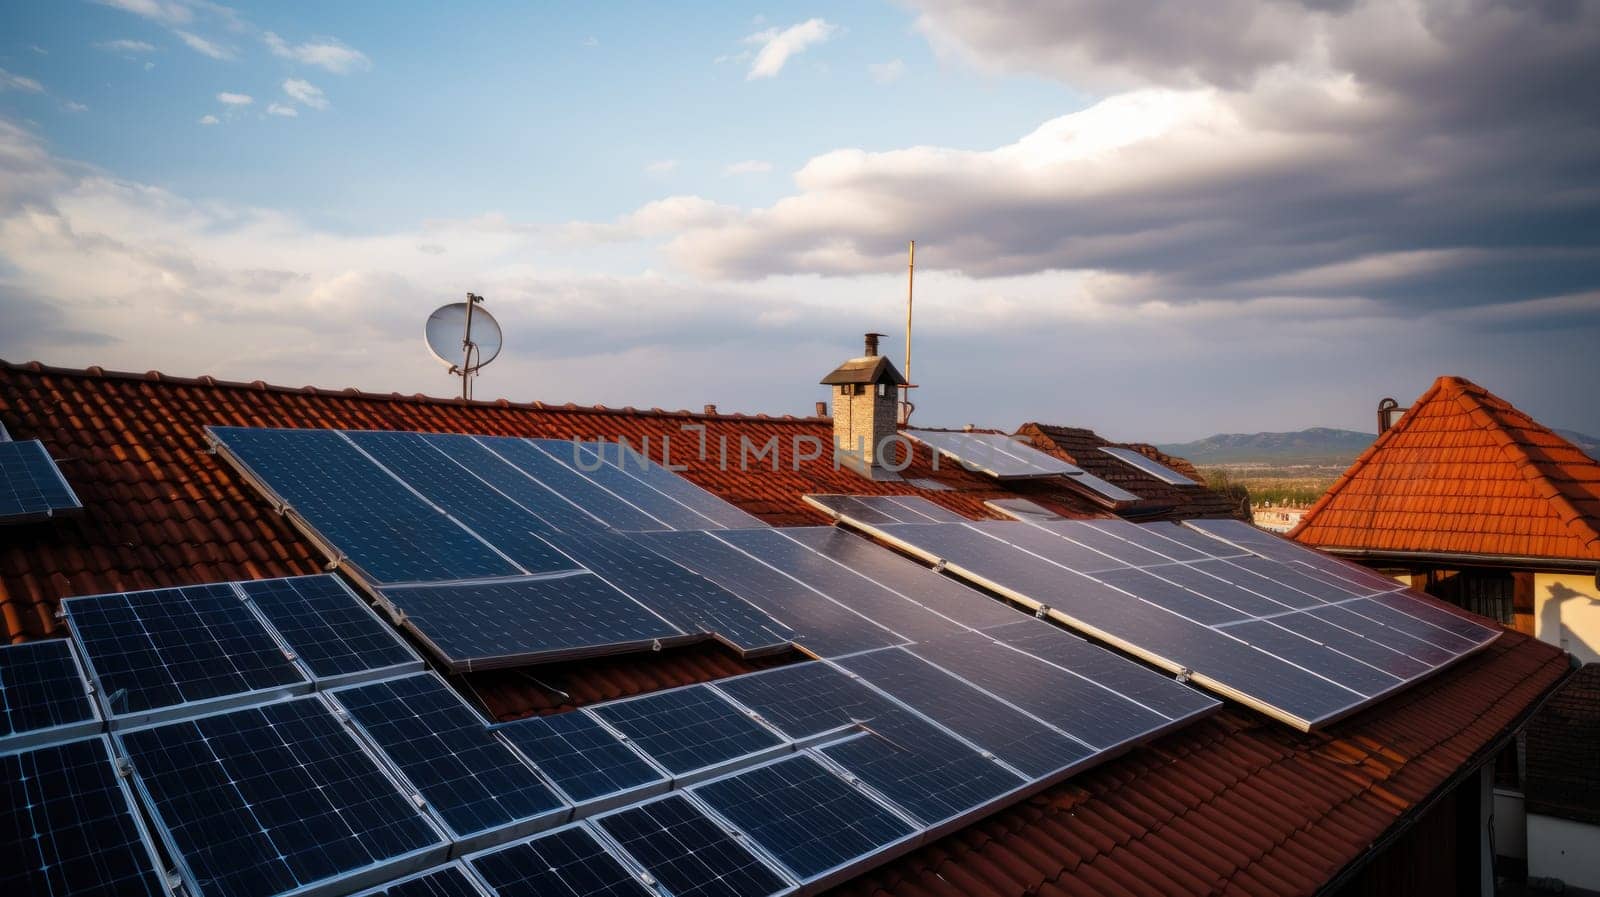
1550	620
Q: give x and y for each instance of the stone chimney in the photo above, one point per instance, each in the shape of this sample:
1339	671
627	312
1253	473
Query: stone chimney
866	398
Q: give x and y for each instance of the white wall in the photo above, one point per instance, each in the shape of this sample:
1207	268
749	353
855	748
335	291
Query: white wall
1561	848
1510	824
1566	613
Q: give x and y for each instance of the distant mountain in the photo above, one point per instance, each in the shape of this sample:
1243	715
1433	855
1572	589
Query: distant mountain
1318	445
1589	444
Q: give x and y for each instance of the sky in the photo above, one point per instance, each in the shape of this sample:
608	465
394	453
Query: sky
1160	220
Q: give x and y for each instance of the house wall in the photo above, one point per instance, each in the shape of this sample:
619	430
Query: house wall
1566	613
1510	825
1561	848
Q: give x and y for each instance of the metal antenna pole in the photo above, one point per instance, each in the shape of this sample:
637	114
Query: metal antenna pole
905	391
466	349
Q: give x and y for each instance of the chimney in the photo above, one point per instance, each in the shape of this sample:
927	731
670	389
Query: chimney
1389	411
822	409
866	396
711	409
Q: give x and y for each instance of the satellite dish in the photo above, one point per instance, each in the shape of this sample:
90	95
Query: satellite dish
464	337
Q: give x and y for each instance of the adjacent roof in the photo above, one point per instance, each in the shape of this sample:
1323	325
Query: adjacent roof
866	369
1563	774
1463	472
1235	804
1082	447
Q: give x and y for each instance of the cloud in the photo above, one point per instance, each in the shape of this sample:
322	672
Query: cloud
166	12
281	109
71	106
235	99
590	41
9	81
887	72
661	166
125	45
210	120
748	166
778	47
203	46
325	53
306	93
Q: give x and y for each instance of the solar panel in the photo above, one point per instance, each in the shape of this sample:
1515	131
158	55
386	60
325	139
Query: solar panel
1022	741
692	602
689	730
937	593
675	486
444	881
175	652
1022	509
472	780
359	512
68	825
555	511
883	508
1149	537
805	700
805	816
667	512
567	862
264	800
892	610
584	759
1137	683
688	853
480	507
1104	489
330	630
1229	624
531	458
999	456
31	485
498	623
1148	465
44	696
821	626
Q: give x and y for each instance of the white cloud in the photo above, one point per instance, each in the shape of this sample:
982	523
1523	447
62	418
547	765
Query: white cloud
886	72
125	45
71	106
662	166
38	49
235	99
210	120
9	81
748	166
306	93
591	41
281	109
205	47
323	52
778	47
167	12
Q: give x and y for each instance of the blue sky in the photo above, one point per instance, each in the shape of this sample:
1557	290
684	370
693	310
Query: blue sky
1158	221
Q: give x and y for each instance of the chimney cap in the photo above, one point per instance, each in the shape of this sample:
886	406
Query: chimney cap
871	369
872	344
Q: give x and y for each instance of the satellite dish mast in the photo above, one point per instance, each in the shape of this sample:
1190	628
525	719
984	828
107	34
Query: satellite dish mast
464	337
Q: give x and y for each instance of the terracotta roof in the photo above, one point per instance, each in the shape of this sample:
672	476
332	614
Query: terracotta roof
1235	804
1082	447
1563	775
1463	472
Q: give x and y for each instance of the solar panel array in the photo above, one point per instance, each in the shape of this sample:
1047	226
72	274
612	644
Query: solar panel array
31	485
1142	462
44	696
330	630
1302	636
498	551
1022	509
1000	456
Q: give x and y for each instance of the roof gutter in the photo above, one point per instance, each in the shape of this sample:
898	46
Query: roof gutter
1569	565
1471	768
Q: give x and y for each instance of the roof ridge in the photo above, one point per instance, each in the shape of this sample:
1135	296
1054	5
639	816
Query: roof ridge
98	372
1472	398
1363	459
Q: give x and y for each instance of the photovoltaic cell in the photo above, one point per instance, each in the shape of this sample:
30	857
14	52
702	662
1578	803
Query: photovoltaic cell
884	508
329	629
997	455
528	456
1034	539
807	699
567	862
43	696
509	622
822	626
67	826
1052	644
366	514
445	881
1024	742
924	771
804	815
496	518
169	647
583	758
555	512
692	602
1023	509
31	485
688	853
474	781
1148	465
584	458
1148	537
687	729
267	799
675	486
